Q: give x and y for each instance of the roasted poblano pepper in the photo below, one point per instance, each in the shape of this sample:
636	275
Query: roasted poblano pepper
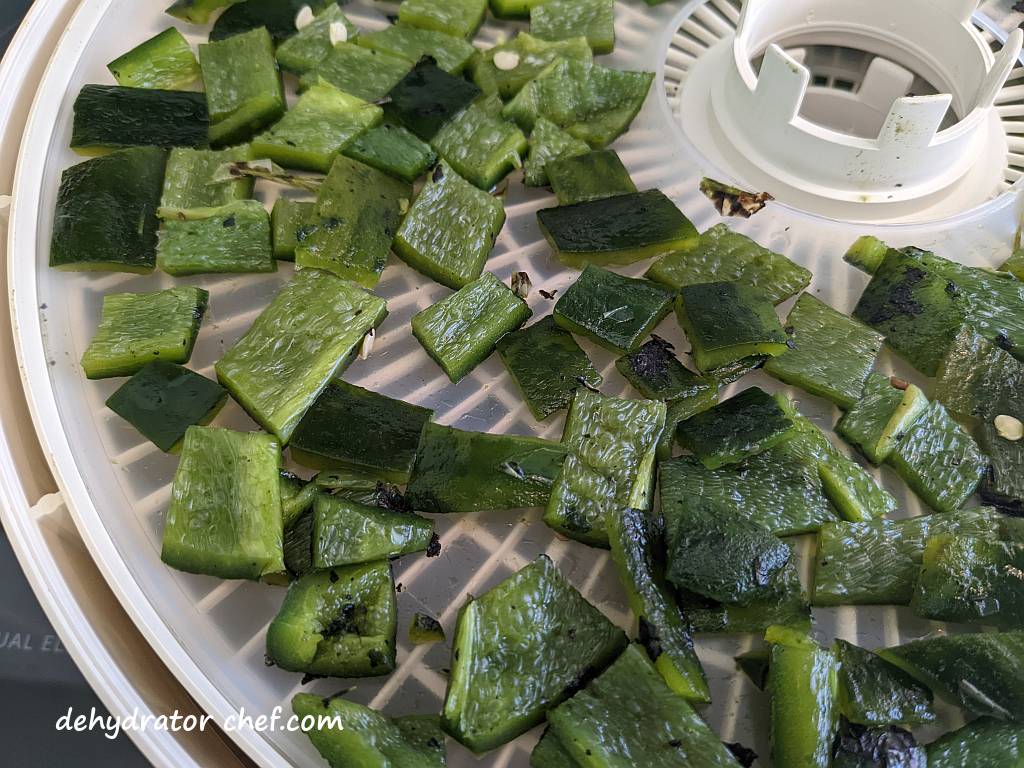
519	650
982	673
562	19
532	55
137	328
548	142
316	129
591	102
277	16
224	517
612	310
352	428
742	426
163	400
197	11
939	460
549	752
394	150
306	336
111	117
460	18
1014	265
664	631
802	680
611	446
615	230
354	230
873	692
190	181
628	717
481	145
866	254
971	580
452	54
232	239
461	331
427	98
788	607
243	85
346	533
313	43
721	254
347	734
858	746
1003	483
831	355
459	471
983	743
289	221
105	219
548	365
450	229
164	61
297	496
338	623
593	176
876	562
882	416
726	322
367	74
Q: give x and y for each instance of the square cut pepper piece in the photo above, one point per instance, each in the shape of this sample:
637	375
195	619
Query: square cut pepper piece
189	180
233	238
461	331
881	416
394	150
427	98
531	57
726	322
593	176
460	18
164	61
561	19
612	310
657	374
164	399
616	230
450	229
452	54
312	44
480	144
361	72
137	328
548	142
742	426
109	117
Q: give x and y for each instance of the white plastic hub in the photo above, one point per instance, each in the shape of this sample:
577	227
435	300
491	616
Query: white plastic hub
813	146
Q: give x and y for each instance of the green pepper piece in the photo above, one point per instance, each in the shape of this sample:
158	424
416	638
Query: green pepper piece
1003	484
657	374
593	103
612	310
611	446
873	692
788	607
277	16
450	230
549	752
338	623
548	365
353	233
105	215
779	488
615	230
866	254
664	632
1014	265
738	428
519	650
297	496
290	220
802	680
628	717
563	19
972	581
983	743
452	54
364	73
393	150
232	239
480	144
532	54
111	117
312	44
976	380
349	734
726	322
593	176
305	337
189	182
939	460
425	630
882	415
346	533
427	98
832	353
243	85
461	331
352	428
548	142
164	61
980	672
876	562
224	518
460	18
459	471
721	254
163	400
197	11
136	328
316	129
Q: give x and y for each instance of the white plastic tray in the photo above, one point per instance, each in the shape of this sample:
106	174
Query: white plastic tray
211	633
